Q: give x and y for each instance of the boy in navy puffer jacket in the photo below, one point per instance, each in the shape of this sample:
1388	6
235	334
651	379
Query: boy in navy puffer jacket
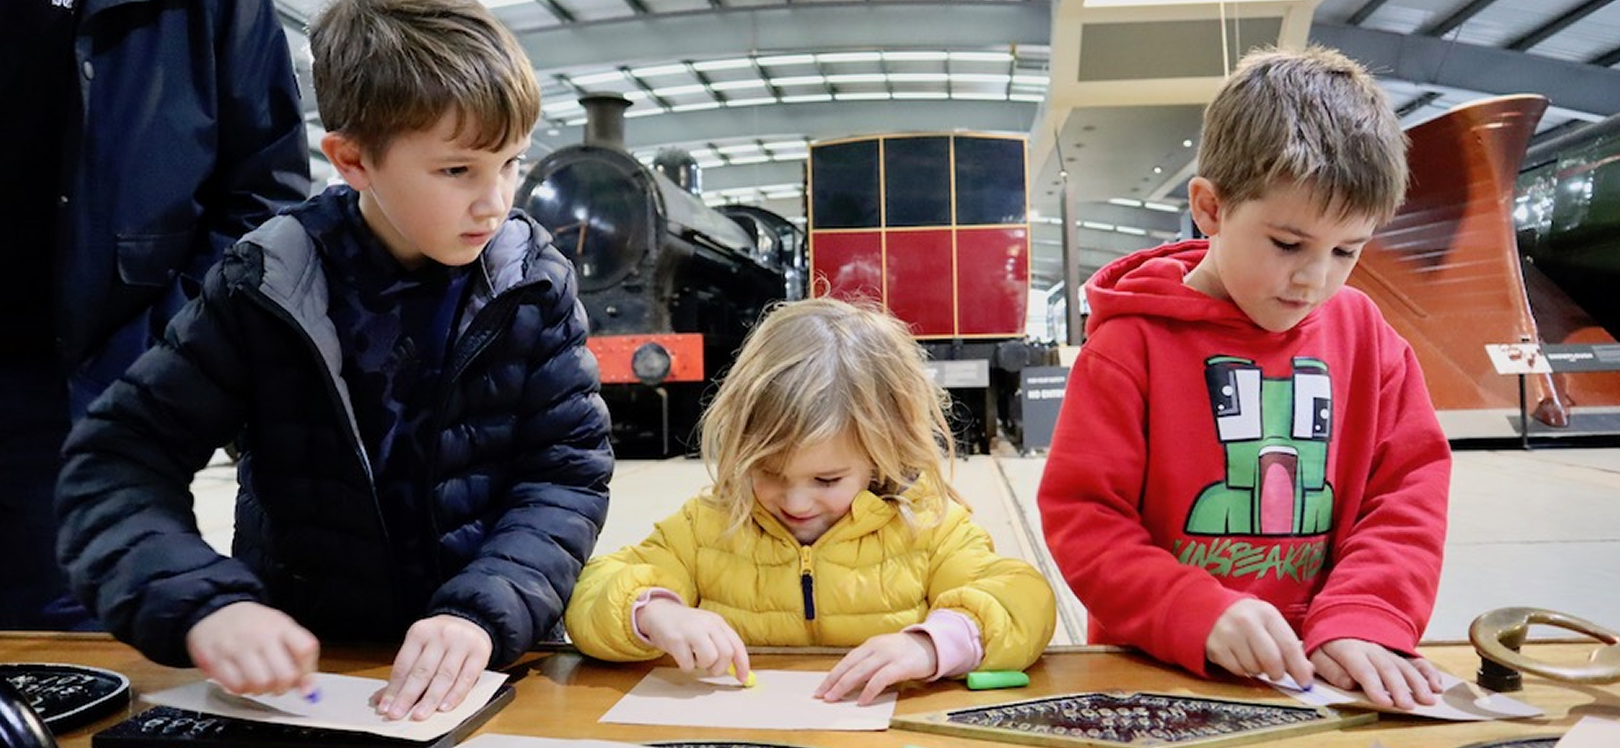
403	362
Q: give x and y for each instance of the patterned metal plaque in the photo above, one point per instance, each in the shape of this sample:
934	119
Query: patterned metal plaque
67	696
1538	741
1131	720
718	743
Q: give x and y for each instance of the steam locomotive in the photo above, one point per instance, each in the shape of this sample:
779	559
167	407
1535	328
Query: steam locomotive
670	285
1568	216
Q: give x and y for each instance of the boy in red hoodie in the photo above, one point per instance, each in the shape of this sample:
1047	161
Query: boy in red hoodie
1248	471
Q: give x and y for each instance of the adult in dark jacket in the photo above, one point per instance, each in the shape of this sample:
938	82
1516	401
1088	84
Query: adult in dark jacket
403	363
151	136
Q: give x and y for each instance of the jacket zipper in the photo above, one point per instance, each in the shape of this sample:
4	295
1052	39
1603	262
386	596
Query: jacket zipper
483	336
355	442
807	583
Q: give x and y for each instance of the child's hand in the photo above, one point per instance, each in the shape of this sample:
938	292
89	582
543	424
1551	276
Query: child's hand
1252	638
697	639
436	667
250	648
1388	679
880	662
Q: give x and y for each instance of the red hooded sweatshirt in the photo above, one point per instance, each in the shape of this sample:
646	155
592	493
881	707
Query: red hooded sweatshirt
1200	459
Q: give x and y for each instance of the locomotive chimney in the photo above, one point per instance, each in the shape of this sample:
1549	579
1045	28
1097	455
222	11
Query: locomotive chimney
604	119
681	169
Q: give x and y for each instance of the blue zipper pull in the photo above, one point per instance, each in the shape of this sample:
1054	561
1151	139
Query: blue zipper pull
807	584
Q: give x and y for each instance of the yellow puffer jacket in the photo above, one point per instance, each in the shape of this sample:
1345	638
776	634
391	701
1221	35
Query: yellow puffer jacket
869	574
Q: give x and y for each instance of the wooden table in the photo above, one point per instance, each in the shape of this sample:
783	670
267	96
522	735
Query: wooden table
561	694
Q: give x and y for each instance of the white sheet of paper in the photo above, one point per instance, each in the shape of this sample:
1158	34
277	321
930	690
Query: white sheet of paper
1591	732
343	706
779	700
491	740
1460	702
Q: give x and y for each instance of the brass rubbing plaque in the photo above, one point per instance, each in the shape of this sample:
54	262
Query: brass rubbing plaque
1131	720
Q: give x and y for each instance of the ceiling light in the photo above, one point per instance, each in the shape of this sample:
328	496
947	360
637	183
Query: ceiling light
799	80
849	57
787	60
1125	201
612	76
698	107
760	101
858	78
1164	207
740	148
734	85
658	70
680	90
728	64
913	56
981	57
807	99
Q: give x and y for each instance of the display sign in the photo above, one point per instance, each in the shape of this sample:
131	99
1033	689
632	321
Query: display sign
1040	394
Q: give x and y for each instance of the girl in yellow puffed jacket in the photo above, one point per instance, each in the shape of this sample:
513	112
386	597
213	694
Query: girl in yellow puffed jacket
828	523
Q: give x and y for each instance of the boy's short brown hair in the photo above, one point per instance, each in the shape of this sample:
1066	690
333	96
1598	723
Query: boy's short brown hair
386	67
1311	117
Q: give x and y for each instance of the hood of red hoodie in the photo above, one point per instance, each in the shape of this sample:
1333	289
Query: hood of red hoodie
1151	283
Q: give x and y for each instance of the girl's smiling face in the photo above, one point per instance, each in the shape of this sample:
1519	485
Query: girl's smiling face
815	487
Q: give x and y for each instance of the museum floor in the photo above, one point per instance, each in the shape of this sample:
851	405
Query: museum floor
1533	528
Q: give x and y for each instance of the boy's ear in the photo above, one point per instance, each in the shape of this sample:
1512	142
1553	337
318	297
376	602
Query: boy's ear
1205	205
348	158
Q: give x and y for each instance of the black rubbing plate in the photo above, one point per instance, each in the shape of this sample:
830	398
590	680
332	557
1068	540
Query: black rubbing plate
167	727
68	696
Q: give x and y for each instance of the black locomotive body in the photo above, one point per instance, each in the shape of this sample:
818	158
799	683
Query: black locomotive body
671	286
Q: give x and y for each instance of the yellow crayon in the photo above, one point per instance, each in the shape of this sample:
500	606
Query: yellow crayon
731	670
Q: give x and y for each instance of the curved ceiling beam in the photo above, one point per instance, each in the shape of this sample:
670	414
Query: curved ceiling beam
1422	59
783	28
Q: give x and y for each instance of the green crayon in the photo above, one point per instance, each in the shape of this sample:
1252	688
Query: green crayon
981	680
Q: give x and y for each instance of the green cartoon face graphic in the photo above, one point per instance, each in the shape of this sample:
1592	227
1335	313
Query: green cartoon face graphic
1275	435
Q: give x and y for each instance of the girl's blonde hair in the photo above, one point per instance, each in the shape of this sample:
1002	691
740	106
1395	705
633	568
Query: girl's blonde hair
812	370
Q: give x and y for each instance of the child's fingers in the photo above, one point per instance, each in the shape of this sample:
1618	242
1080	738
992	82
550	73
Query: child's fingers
682	653
438	688
224	671
835	675
739	656
1423	691
706	655
1392	674
850	672
412	671
1328	669
884	677
1292	654
1430	673
471	669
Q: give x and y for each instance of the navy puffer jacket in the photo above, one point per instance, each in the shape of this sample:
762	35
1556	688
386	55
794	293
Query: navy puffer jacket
519	492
